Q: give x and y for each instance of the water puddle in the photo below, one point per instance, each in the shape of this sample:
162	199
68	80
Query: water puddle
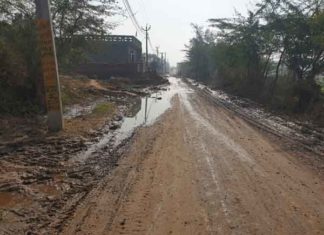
151	108
77	110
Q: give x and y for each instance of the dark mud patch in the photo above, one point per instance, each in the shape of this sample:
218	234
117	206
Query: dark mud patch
40	186
310	136
43	180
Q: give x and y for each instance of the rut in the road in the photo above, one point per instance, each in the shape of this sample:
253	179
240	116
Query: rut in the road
202	170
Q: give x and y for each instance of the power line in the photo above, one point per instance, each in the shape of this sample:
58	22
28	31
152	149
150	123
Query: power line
136	24
142	5
132	16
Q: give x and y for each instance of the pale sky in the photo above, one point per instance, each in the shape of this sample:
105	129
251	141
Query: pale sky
171	19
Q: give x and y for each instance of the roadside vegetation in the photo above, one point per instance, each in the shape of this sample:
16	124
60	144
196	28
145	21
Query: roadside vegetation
274	55
21	86
321	83
103	108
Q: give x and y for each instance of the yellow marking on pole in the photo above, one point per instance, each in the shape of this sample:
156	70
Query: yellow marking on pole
49	66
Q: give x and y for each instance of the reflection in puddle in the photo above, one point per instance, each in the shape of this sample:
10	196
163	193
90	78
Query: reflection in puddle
151	108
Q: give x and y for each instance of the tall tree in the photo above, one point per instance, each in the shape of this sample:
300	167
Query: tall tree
19	63
73	18
273	53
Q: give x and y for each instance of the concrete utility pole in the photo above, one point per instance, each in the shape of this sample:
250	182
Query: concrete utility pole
165	62
157	56
49	66
157	51
146	29
162	61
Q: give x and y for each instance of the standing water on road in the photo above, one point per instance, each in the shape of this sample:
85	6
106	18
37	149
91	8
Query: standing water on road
152	107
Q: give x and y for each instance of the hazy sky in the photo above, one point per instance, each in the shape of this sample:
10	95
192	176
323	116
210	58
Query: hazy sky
171	19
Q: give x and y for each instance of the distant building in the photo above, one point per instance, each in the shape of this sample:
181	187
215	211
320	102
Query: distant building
116	49
113	55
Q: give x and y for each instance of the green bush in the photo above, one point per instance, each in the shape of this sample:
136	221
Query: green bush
19	67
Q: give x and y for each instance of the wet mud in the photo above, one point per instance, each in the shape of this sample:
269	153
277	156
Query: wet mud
202	169
307	134
180	160
42	181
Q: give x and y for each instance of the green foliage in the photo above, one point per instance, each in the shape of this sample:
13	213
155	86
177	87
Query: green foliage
272	55
19	65
321	83
20	74
72	19
103	108
198	54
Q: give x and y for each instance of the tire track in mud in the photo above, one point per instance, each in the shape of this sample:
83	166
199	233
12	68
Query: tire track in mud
197	129
203	170
244	182
158	201
312	146
94	213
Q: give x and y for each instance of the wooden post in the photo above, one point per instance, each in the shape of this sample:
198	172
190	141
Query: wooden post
49	66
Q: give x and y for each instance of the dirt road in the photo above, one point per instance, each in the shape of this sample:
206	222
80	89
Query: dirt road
202	170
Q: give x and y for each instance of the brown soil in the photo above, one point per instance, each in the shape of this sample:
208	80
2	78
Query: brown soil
39	184
76	90
203	170
200	169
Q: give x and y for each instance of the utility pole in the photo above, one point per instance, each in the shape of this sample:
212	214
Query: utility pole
165	62
157	51
157	60
49	66
162	61
146	29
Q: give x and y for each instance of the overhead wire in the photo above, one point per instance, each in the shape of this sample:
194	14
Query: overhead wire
135	22
132	16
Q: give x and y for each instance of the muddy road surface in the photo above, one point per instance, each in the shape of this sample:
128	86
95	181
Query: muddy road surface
202	169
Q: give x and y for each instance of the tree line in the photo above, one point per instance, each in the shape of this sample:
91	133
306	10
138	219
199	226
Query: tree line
20	83
274	55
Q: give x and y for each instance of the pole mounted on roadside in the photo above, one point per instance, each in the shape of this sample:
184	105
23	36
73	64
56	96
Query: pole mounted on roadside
49	66
146	29
157	51
162	62
157	60
165	63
